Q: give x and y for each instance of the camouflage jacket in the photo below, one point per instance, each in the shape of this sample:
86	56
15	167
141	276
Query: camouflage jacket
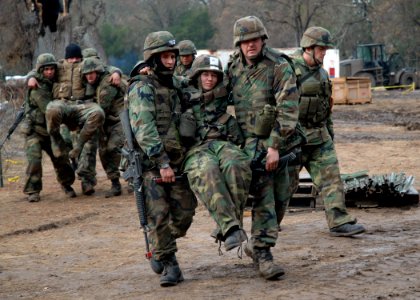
36	105
154	111
181	70
271	80
315	102
109	97
209	113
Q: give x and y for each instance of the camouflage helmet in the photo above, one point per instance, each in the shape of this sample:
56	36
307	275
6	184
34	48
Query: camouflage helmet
187	47
45	59
316	36
248	28
92	64
90	52
206	62
157	42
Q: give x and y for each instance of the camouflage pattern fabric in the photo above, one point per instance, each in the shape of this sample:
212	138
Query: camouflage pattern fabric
320	159
153	110
181	70
37	140
86	163
270	80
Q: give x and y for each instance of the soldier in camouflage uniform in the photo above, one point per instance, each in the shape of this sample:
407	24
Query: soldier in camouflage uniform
36	135
70	90
318	155
266	99
154	108
111	100
187	52
218	170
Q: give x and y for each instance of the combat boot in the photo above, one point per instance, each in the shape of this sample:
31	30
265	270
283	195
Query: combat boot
347	230
69	191
87	188
115	189
156	265
249	251
235	239
267	268
171	272
34	197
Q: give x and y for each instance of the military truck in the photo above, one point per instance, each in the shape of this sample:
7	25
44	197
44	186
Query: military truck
372	62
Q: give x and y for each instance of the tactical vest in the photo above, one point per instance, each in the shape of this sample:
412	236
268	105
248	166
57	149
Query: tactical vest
252	88
167	108
316	89
69	85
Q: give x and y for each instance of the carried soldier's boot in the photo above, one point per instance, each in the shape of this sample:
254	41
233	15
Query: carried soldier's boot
87	188
115	189
34	197
267	268
156	265
69	191
171	273
347	230
235	239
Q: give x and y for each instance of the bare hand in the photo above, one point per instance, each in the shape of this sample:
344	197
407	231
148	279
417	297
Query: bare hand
115	79
33	83
272	159
167	174
145	71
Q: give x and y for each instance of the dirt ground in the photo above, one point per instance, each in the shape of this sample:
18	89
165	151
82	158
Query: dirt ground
91	247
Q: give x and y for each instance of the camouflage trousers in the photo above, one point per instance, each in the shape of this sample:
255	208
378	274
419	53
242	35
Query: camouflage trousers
34	145
322	164
86	163
170	210
219	175
264	228
112	140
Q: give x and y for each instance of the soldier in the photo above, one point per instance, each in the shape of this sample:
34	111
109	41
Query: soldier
70	90
218	170
154	108
265	97
187	52
111	100
318	155
36	135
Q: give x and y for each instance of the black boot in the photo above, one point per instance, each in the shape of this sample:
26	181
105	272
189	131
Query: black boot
115	189
171	273
347	230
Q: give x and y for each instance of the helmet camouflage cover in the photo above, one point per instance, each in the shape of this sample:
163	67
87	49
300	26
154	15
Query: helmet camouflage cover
316	36
248	28
186	47
90	52
92	64
45	59
157	42
206	62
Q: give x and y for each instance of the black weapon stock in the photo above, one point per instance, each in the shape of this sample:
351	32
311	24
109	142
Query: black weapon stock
134	172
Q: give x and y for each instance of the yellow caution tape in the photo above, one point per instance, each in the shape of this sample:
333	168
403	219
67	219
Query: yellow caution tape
13	162
13	179
409	87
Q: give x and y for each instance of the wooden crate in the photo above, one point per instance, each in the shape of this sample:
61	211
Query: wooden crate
351	90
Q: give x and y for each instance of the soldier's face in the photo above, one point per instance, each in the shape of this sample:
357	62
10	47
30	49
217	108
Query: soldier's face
168	59
251	48
91	77
73	59
208	80
186	60
49	72
319	53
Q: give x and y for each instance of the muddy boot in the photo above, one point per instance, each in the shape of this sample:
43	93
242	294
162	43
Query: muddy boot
156	265
347	230
249	251
34	197
235	238
87	188
171	273
115	189
69	191
268	269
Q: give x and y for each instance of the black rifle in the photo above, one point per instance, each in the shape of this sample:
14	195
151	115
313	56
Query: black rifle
159	180
134	173
19	117
293	157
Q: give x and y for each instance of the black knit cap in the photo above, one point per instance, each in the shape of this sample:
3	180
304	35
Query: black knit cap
73	50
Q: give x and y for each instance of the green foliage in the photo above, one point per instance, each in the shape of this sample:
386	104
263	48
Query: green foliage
115	39
194	25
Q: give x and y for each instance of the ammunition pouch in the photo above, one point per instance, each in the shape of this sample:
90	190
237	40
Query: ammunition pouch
264	121
187	125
